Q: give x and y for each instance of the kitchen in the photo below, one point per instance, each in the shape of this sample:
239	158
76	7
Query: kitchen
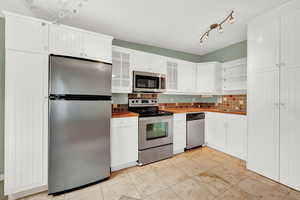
89	116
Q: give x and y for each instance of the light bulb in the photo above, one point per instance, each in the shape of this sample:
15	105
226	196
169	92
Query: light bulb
206	36
221	30
201	43
231	19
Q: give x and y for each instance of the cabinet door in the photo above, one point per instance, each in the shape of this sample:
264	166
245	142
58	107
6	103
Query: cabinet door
215	131
208	78
124	142
179	135
97	47
263	42
172	76
26	34
236	136
290	42
289	127
186	77
65	41
121	73
26	112
263	124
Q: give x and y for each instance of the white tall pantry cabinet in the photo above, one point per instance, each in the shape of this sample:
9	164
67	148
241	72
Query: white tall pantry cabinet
26	104
29	41
273	95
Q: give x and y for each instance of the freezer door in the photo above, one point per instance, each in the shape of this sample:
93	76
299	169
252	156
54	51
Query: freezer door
79	76
79	143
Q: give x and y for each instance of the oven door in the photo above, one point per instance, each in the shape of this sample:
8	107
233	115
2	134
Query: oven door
155	131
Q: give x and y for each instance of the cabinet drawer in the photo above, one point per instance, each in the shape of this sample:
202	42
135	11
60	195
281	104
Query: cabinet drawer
128	121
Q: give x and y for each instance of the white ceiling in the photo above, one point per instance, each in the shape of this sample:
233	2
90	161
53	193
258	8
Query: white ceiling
172	24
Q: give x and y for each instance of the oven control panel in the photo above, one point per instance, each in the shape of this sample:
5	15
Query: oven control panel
142	102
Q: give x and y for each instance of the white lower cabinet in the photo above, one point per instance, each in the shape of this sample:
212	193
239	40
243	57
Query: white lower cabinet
26	117
227	133
215	132
179	133
124	142
236	136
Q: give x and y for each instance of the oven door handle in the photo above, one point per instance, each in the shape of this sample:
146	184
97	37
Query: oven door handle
156	118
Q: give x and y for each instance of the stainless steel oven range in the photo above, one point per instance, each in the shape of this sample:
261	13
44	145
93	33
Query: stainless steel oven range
155	130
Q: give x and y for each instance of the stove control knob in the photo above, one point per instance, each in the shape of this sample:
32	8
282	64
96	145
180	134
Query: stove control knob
136	101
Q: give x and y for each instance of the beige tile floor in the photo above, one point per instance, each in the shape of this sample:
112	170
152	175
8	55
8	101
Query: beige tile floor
201	174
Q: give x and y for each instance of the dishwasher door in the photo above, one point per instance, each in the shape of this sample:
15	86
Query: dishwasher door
195	130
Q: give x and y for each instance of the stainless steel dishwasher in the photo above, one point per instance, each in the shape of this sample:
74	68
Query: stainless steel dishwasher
194	130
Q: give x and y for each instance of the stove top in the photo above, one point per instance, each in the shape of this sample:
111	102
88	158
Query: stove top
146	108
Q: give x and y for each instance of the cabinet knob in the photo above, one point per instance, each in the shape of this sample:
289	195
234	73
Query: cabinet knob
43	24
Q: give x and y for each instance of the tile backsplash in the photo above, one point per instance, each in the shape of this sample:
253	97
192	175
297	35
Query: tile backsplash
233	103
226	102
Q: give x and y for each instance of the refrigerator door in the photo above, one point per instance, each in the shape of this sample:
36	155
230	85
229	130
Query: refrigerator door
79	76
79	143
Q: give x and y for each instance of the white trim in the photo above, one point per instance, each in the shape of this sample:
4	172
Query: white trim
27	193
178	151
127	165
1	177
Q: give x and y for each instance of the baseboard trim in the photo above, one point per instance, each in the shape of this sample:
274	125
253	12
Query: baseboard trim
27	193
127	165
178	151
1	177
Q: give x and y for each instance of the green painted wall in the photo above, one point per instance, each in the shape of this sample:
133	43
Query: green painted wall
2	53
232	52
157	50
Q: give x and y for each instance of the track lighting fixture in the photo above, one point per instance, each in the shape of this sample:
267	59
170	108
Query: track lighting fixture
230	19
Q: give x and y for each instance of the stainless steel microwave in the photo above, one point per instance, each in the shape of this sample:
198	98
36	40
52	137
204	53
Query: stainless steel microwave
149	82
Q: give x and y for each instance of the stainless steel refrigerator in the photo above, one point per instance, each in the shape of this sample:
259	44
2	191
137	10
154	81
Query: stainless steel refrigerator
79	123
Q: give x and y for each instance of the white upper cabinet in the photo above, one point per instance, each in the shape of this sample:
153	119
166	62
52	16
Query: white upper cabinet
26	34
26	117
97	47
263	43
290	39
187	77
172	76
209	78
65	41
234	77
121	70
148	62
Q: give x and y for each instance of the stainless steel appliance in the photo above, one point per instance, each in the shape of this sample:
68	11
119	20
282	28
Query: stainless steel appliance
79	123
149	82
155	130
195	130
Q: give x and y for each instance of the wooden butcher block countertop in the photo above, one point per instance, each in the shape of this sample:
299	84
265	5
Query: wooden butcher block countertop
124	114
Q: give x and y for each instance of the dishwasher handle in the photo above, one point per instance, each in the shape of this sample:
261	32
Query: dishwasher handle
195	116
